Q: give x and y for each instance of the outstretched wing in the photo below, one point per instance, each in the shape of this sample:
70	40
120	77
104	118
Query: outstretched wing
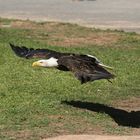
25	52
84	69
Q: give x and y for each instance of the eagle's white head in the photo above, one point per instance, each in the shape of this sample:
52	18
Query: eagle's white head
52	62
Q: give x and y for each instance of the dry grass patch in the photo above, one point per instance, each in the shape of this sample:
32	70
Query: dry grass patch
22	134
132	104
62	34
23	24
101	39
77	125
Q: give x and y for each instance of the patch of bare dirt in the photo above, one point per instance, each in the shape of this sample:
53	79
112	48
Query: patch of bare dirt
75	125
23	134
93	137
68	35
23	24
103	39
132	104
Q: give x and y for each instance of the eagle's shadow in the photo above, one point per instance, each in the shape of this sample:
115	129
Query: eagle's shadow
121	117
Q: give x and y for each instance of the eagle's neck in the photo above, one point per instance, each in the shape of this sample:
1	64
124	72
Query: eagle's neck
52	62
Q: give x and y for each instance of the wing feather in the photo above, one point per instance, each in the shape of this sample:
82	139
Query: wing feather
83	69
25	52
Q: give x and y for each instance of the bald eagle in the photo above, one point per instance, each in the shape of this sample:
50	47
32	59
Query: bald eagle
86	68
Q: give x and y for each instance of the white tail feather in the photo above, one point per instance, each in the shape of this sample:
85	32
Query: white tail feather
98	62
105	66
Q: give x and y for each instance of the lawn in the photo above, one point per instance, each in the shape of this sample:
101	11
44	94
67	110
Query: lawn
36	103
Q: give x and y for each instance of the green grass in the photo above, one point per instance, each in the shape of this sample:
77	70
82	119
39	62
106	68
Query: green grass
31	98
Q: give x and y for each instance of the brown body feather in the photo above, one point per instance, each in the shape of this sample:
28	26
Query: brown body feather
85	70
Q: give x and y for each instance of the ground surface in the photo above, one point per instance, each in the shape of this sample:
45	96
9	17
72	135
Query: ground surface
120	14
94	137
41	103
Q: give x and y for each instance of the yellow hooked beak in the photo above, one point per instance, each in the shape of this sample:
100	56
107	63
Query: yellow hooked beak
35	64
